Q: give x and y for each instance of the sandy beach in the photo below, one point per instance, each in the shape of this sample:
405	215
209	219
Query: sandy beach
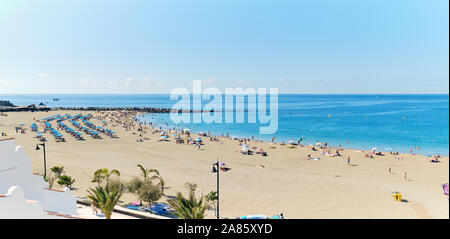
284	181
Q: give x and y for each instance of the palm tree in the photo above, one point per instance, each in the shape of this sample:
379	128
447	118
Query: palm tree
102	174
189	208
105	198
58	171
161	183
146	172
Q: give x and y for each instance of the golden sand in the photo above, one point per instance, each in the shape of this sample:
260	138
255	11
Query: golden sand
284	181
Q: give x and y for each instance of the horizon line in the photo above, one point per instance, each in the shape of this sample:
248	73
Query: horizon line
224	93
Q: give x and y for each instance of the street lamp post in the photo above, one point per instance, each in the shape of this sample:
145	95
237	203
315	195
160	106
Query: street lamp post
217	171
45	160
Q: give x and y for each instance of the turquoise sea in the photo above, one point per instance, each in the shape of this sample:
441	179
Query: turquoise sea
388	122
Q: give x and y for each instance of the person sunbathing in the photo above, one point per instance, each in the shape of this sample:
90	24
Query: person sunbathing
225	169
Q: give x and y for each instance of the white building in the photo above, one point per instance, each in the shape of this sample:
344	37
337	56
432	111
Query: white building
25	195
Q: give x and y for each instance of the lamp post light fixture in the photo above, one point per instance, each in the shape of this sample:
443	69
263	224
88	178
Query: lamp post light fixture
45	160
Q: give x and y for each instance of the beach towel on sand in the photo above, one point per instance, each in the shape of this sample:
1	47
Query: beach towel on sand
445	187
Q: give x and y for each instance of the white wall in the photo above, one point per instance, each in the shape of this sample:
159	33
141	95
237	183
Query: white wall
56	201
13	205
15	170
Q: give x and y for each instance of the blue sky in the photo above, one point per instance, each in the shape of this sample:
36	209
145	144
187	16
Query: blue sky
116	46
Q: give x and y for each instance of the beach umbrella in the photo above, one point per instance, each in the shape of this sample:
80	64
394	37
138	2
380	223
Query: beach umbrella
319	143
244	146
374	149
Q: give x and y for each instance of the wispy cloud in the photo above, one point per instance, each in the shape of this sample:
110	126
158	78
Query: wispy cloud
43	75
88	82
10	83
148	81
129	81
210	80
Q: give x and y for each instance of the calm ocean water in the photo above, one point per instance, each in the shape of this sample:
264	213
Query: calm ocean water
388	122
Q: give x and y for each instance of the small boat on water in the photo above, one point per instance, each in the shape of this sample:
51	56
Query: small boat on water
56	99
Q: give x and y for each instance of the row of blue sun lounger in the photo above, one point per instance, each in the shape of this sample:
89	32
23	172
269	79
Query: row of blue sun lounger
56	117
50	118
71	131
86	130
99	129
58	136
75	117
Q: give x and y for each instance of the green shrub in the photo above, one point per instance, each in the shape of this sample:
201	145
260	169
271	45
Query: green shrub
149	193
65	180
57	170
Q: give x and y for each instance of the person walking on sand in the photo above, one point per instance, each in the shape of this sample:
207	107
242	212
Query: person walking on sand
348	160
94	209
389	170
405	176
